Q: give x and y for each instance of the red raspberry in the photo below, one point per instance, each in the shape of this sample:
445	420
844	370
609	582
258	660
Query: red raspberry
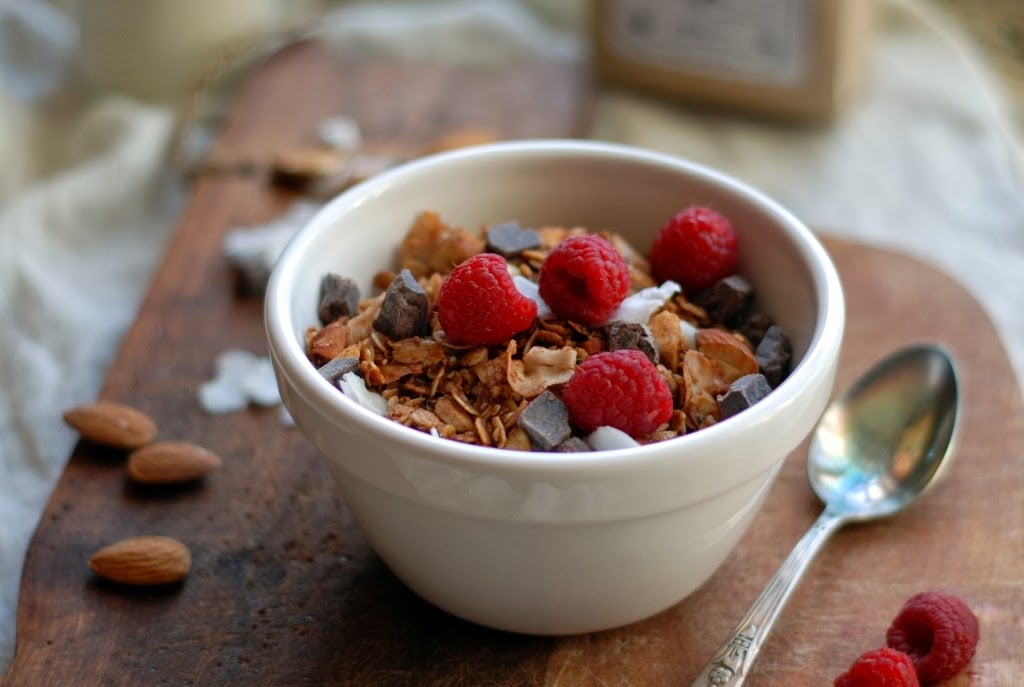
938	631
479	304
883	667
620	389
695	249
584	278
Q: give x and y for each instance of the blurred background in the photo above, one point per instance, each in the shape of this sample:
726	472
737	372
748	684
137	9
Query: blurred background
923	156
998	26
196	33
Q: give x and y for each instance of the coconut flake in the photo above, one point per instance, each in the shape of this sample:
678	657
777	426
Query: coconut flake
240	378
639	307
689	333
233	365
340	133
531	290
609	438
220	396
353	386
260	384
253	249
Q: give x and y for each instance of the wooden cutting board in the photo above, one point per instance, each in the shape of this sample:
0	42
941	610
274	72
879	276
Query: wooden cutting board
284	590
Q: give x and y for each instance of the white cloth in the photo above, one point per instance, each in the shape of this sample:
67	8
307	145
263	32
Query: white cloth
83	218
924	162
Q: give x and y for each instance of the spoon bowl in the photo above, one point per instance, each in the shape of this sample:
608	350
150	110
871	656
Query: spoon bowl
875	450
884	442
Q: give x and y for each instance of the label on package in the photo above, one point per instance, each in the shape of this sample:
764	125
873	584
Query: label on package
764	41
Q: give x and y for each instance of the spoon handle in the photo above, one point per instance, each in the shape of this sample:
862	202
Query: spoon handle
731	663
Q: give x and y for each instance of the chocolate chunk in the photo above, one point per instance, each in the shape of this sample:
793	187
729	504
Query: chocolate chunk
509	239
338	368
573	445
774	354
743	393
631	335
404	311
755	326
339	297
546	421
727	299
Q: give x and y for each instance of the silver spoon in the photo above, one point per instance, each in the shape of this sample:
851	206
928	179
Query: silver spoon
875	450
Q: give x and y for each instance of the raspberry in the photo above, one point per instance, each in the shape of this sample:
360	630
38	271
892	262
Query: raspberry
883	667
479	304
584	278
938	631
695	249
620	389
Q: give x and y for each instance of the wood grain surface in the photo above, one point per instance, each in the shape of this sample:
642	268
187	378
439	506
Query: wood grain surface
285	591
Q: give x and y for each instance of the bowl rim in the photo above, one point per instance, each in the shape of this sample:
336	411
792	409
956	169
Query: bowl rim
290	358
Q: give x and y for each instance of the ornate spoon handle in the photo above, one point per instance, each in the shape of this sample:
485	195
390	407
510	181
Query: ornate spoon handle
731	663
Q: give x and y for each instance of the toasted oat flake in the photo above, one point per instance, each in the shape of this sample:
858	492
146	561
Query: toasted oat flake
541	368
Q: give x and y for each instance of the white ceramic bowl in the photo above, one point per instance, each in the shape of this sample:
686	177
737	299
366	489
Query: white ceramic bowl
555	543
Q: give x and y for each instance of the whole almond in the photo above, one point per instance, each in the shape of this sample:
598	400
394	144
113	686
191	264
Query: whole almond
143	561
171	462
111	423
302	165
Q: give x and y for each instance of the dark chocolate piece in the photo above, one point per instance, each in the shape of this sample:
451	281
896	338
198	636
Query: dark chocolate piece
774	354
509	239
546	421
755	326
404	311
727	299
334	370
743	393
339	297
631	335
573	445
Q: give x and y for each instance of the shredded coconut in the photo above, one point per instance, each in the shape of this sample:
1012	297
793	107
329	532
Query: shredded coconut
639	307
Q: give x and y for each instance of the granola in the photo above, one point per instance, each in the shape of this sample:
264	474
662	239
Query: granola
477	394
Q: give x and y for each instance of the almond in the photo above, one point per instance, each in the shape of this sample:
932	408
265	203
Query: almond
297	166
667	331
171	462
736	357
145	560
113	424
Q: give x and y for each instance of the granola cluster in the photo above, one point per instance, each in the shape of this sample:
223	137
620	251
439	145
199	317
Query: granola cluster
716	352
